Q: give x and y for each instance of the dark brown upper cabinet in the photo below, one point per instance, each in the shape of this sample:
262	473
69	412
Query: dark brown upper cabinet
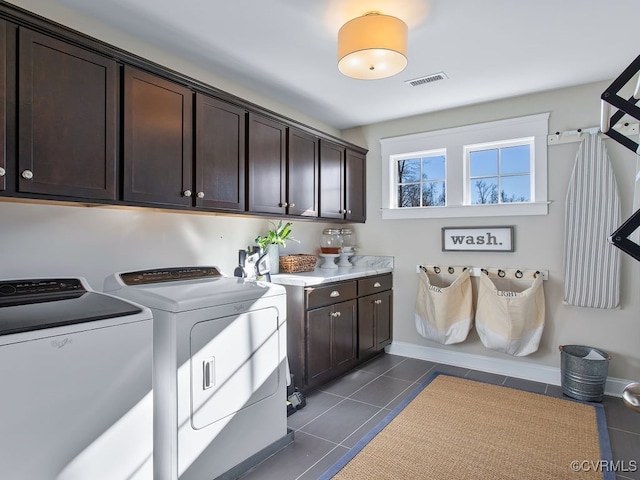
331	180
4	167
84	121
355	191
302	173
342	183
158	139
220	154
267	165
67	111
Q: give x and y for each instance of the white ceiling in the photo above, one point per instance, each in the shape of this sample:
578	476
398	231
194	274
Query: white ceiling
489	49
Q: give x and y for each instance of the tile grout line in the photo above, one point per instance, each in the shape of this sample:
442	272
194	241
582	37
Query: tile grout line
623	431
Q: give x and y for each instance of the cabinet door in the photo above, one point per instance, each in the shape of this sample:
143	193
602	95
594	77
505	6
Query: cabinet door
319	344
220	154
4	111
302	174
331	341
158	138
384	318
374	322
366	326
344	316
331	180
267	172
67	105
355	186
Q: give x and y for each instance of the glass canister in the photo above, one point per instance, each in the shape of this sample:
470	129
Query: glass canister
331	241
348	240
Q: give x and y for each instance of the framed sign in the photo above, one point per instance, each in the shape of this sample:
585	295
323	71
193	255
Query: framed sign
477	239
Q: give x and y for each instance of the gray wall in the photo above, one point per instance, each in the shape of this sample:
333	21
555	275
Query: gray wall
539	239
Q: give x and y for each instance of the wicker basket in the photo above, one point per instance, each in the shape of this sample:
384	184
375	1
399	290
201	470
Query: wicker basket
297	263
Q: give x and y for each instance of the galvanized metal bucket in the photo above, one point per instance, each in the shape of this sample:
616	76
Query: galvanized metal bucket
584	378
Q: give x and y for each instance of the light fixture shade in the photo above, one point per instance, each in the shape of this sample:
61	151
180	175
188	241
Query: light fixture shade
372	46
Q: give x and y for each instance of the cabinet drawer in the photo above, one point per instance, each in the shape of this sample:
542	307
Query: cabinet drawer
379	283
321	296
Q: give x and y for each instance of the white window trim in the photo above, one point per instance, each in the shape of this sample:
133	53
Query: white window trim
454	140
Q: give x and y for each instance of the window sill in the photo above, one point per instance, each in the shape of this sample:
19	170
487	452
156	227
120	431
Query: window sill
462	211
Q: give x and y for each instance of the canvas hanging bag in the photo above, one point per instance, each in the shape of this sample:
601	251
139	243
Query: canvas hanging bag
444	314
507	321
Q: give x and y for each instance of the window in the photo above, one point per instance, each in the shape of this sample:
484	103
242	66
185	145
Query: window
421	179
499	172
489	169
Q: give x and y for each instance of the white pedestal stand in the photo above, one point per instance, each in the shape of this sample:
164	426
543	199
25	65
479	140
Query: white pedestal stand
328	260
344	259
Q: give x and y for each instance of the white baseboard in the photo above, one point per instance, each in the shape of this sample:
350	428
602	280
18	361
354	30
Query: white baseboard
500	366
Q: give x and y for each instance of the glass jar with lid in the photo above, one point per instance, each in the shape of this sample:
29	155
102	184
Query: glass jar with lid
348	240
331	241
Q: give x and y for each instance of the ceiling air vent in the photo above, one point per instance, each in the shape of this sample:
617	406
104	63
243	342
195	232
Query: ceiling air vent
427	79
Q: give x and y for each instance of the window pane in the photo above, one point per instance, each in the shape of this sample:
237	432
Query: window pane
515	189
433	194
484	191
515	160
409	170
409	195
483	163
433	168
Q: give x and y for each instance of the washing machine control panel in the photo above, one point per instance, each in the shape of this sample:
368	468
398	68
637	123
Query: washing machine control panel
20	288
169	275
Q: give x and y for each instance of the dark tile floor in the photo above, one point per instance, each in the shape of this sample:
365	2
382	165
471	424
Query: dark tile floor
340	413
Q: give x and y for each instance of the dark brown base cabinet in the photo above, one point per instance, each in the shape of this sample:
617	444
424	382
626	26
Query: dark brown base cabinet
84	121
375	311
334	327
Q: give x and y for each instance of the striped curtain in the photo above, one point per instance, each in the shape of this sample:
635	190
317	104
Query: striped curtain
592	213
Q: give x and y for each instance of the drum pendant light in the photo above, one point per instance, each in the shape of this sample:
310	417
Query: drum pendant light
372	46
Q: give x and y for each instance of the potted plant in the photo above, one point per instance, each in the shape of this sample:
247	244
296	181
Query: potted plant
271	242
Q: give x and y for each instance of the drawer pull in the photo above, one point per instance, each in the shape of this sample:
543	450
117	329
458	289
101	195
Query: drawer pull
334	294
377	285
378	302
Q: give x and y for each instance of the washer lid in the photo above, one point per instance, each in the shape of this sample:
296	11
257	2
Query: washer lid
34	304
185	295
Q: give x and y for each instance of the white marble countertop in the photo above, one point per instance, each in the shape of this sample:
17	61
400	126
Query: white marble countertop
364	266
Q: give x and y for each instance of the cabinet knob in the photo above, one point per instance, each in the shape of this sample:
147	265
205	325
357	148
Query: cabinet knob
334	294
335	314
292	205
27	174
2	172
200	194
378	302
349	212
283	204
186	193
377	285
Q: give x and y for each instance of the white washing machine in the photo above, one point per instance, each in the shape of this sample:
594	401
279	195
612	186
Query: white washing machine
75	383
219	368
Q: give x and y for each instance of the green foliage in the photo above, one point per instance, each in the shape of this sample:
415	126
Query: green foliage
279	235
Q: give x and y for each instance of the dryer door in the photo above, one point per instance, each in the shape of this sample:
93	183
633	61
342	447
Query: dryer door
234	364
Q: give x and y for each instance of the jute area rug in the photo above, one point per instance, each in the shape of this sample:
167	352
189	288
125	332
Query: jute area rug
454	428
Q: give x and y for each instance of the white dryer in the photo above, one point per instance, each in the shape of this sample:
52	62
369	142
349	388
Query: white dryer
219	368
75	383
